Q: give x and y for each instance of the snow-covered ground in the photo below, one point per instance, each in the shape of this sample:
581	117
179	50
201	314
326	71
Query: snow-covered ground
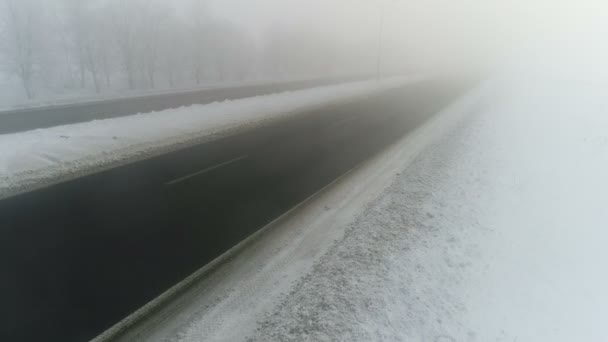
495	233
488	224
12	99
45	156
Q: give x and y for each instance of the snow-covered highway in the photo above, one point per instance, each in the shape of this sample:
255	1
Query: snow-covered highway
107	215
487	224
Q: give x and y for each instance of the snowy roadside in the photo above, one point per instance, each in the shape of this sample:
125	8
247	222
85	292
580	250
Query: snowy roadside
38	158
8	103
493	232
224	303
398	274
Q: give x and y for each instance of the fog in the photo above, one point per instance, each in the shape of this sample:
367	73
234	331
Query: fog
52	49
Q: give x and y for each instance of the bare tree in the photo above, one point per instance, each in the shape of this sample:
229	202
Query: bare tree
22	41
149	39
199	36
103	44
107	48
124	17
77	22
63	32
172	51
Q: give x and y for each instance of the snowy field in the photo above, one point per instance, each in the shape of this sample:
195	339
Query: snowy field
495	233
488	224
37	158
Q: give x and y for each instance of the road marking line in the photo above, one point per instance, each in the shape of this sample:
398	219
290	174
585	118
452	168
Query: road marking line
211	168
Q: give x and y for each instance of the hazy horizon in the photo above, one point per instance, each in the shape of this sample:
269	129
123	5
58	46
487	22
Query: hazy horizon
74	48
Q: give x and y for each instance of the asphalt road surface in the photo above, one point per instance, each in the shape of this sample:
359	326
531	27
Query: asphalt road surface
25	119
77	257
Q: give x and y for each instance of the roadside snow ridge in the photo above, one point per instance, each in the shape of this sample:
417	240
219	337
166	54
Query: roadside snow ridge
39	158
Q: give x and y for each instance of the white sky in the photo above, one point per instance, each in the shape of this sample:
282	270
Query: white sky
435	29
347	20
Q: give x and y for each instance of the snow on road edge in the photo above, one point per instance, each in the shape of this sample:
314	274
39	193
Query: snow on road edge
226	305
38	158
494	233
384	280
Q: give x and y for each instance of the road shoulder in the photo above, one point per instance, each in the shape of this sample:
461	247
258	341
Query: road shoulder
225	302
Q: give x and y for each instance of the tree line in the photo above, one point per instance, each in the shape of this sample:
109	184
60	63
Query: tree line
104	45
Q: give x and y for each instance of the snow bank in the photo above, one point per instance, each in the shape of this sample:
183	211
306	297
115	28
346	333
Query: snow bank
42	157
496	233
228	304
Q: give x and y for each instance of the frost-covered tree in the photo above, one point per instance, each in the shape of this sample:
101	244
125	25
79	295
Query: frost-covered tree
149	38
21	44
81	46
